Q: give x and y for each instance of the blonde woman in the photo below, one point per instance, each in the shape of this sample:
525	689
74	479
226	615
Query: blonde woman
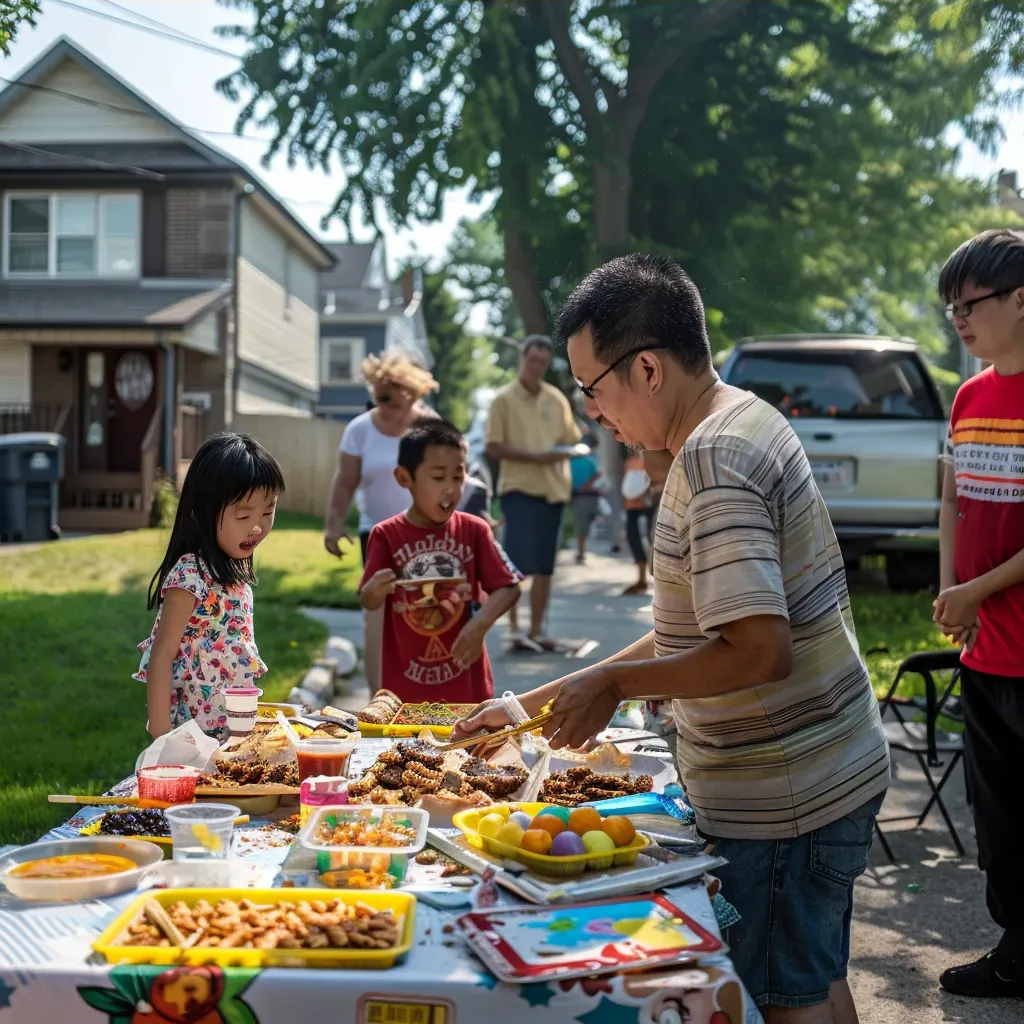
367	458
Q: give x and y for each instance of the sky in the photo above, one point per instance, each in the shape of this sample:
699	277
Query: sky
181	79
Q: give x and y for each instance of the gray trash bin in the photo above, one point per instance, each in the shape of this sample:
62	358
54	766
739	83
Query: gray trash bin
31	469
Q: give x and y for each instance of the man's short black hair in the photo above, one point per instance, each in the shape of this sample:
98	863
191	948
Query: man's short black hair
639	300
993	260
426	432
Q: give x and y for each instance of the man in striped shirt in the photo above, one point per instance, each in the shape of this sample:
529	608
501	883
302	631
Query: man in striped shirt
780	745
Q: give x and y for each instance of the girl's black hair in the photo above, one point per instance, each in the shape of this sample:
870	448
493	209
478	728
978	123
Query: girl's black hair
226	468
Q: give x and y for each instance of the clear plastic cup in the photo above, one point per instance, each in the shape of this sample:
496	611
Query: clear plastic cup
201	831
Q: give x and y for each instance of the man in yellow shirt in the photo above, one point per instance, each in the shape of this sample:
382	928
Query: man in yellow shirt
529	430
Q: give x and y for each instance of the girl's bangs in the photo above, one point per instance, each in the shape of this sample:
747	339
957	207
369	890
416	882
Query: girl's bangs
244	472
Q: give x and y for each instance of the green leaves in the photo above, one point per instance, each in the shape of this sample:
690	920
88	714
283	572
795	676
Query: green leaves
795	156
14	13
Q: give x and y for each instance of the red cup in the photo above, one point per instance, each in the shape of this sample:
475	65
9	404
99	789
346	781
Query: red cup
170	783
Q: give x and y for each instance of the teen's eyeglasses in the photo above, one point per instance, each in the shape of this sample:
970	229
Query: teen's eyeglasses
962	310
588	389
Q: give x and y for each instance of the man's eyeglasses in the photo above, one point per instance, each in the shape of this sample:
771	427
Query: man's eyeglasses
962	310
588	389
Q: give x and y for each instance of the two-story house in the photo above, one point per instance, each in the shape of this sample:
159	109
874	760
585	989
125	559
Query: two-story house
151	288
363	313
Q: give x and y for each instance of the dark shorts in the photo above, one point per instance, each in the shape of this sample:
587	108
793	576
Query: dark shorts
796	900
533	528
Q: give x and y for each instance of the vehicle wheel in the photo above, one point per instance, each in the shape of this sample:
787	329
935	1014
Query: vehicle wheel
909	572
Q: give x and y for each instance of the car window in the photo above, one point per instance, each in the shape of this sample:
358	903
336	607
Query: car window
840	385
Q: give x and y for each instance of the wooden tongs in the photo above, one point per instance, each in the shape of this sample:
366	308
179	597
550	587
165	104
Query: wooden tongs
486	739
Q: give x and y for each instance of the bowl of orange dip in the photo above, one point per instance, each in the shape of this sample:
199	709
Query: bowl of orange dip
71	870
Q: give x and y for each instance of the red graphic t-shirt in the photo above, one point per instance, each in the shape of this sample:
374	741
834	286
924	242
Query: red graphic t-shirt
987	432
442	571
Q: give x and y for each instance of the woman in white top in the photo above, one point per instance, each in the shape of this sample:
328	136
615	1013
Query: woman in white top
367	458
368	453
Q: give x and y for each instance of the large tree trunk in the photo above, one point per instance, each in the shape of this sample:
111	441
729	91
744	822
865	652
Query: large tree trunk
522	281
613	189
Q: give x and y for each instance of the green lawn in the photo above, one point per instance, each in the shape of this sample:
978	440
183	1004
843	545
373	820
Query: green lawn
71	615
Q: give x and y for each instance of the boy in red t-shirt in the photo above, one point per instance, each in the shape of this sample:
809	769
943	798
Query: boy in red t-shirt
981	593
444	577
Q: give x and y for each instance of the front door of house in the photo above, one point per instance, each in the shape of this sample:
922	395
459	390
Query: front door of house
119	399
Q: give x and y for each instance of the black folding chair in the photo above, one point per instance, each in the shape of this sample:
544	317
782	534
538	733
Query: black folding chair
924	740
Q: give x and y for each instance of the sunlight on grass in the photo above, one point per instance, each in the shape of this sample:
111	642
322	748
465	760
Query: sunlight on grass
71	615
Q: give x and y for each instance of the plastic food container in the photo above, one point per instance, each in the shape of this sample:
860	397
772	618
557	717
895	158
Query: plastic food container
543	864
171	783
402	905
410	816
201	831
74	890
318	756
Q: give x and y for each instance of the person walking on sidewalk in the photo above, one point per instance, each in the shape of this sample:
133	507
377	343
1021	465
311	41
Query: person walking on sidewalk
981	589
780	743
637	501
529	432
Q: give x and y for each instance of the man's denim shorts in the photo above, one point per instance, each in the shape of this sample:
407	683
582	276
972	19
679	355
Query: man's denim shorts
796	900
533	528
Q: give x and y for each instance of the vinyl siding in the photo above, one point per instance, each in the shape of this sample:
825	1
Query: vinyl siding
350	396
257	396
276	334
44	116
15	373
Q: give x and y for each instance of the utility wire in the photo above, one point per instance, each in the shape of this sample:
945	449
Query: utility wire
138	16
101	165
103	105
165	32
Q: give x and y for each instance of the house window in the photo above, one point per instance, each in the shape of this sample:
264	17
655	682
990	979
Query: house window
341	359
71	234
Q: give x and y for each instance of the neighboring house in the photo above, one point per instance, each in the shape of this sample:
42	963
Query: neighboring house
151	287
363	313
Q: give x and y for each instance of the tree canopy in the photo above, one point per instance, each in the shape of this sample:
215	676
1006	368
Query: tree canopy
792	154
12	14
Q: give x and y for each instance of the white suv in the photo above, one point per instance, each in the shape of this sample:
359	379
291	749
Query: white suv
872	424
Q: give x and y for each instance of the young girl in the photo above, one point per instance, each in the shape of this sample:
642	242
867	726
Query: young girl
202	640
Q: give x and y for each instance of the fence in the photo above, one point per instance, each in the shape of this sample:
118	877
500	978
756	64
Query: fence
307	451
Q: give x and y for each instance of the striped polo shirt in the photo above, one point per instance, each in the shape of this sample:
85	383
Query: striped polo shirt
742	531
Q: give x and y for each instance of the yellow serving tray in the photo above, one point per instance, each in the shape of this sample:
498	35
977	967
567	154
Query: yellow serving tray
543	864
442	732
402	904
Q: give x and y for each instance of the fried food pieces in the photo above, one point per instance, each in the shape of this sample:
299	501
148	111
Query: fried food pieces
581	785
248	925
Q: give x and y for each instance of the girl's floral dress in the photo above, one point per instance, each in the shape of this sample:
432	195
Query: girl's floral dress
217	649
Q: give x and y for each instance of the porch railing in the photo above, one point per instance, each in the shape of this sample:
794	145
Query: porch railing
36	417
151	457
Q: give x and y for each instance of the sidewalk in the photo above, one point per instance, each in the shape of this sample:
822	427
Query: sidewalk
903	937
585	605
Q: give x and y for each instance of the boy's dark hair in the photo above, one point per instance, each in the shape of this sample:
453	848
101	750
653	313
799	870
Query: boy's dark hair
993	260
226	468
639	300
426	432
